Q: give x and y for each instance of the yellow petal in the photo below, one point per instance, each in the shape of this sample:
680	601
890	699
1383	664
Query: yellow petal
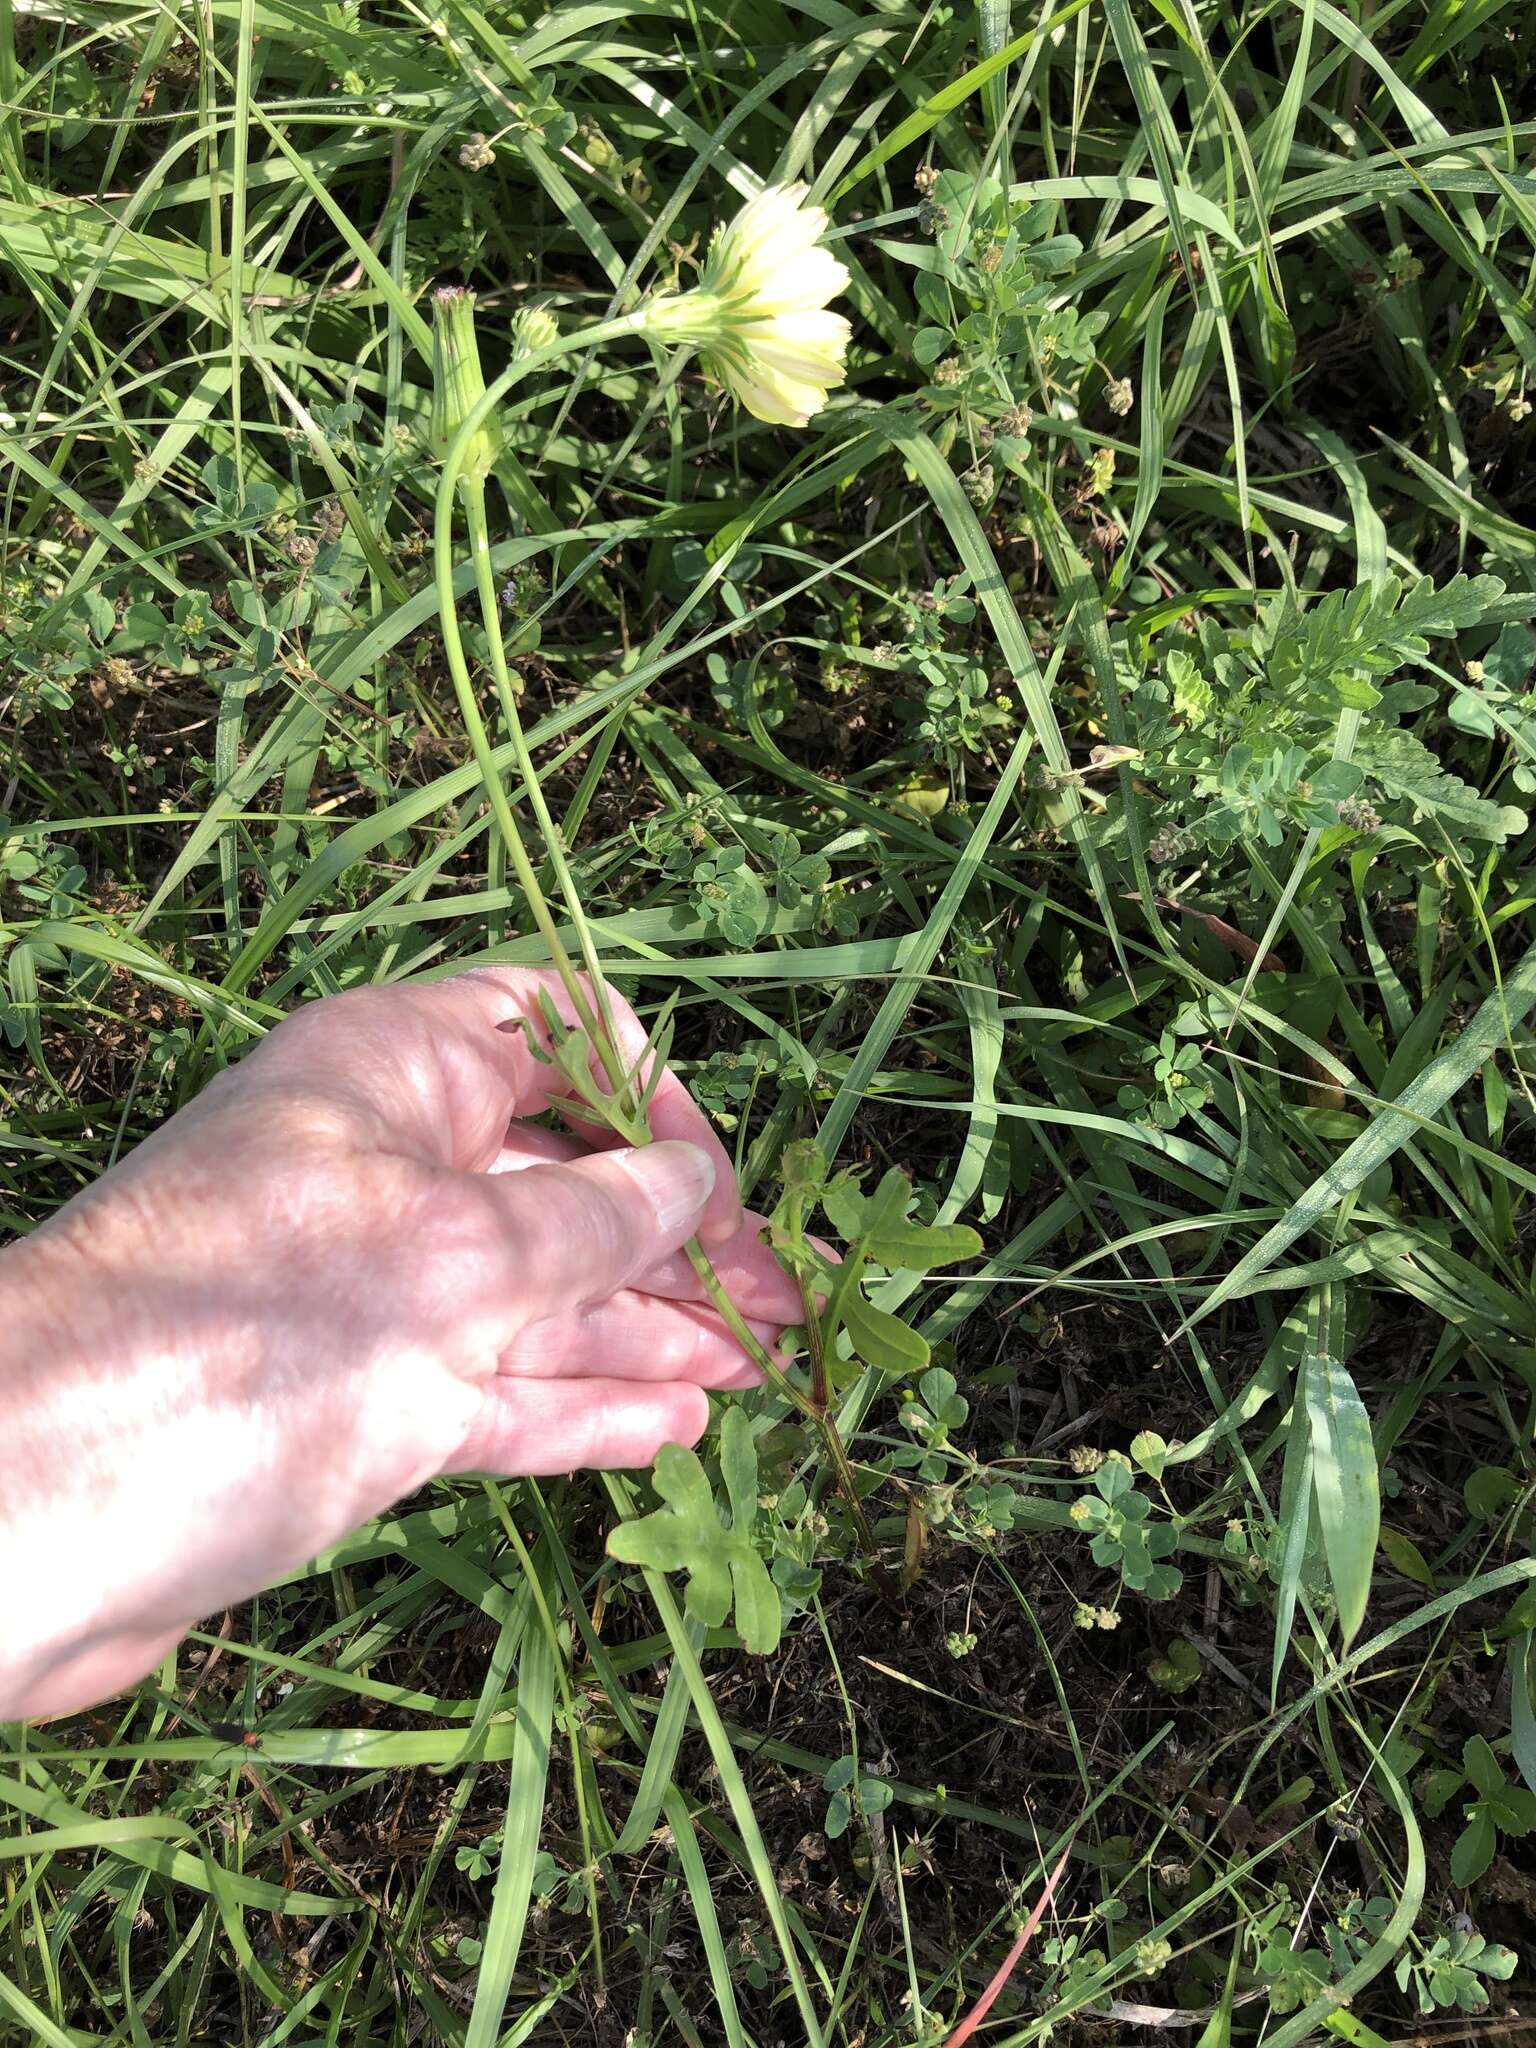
780	401
776	216
779	249
808	327
797	364
809	346
803	286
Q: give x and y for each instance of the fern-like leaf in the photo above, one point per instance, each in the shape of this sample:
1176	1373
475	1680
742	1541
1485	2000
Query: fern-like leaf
687	1534
1402	766
1370	630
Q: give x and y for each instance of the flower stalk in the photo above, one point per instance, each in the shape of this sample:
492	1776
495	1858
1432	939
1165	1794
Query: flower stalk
464	435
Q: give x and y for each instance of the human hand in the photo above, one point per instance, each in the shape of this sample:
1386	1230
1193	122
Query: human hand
349	1266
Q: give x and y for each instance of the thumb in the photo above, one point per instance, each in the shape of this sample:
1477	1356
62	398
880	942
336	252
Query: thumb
581	1231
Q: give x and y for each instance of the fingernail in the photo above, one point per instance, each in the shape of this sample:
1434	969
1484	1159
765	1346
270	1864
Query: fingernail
678	1177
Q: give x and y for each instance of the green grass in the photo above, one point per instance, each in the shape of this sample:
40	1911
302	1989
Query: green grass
1231	1068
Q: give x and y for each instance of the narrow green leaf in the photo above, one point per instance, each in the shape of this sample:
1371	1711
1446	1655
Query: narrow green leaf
732	1783
1522	1705
519	1840
919	1248
1405	1556
1500	1015
953	95
1345	1484
1295	1526
697	1882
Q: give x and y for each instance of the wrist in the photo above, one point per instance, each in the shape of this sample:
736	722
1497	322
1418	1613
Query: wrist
62	1324
46	1292
66	1377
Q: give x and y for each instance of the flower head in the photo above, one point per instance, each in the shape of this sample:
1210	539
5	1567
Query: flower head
759	312
1120	396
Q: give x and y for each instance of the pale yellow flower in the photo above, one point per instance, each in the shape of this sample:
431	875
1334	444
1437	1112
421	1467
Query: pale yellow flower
759	312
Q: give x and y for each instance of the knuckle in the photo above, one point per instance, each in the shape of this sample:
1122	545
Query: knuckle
350	1067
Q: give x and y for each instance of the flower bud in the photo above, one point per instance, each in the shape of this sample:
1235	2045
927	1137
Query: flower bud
457	382
980	485
532	329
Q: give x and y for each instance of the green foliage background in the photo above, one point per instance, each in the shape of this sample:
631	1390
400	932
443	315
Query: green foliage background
1089	769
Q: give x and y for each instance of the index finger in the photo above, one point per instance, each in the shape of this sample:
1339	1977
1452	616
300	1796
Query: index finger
442	1068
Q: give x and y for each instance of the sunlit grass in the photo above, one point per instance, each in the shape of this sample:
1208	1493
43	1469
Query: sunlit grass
801	730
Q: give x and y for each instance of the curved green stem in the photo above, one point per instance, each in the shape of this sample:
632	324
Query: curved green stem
597	1024
449	483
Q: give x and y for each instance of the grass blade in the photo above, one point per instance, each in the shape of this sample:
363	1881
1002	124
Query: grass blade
1344	1483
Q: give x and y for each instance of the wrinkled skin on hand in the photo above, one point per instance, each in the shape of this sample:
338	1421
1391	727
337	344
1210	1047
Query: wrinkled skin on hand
350	1266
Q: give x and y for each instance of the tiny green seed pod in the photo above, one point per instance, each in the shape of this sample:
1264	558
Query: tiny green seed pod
457	382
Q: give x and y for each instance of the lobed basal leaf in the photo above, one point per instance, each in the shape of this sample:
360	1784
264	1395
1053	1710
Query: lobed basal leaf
688	1534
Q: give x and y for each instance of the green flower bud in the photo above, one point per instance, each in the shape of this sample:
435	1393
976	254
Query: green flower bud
980	485
532	329
457	382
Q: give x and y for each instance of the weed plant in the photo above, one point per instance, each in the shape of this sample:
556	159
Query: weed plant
1066	809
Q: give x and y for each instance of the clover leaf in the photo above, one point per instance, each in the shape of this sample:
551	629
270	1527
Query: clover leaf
1500	1809
851	1790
